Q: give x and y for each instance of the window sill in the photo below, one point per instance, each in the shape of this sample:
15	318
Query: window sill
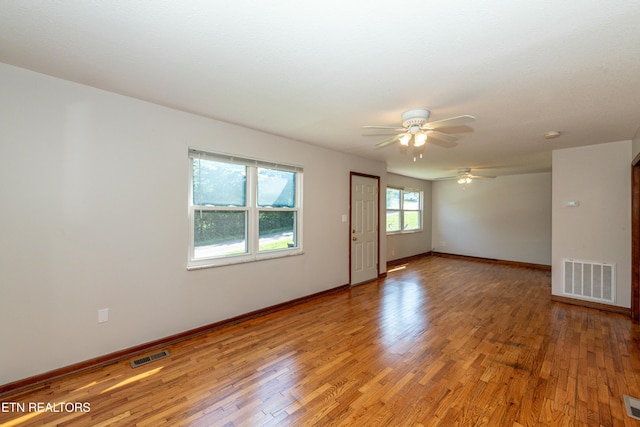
227	262
394	233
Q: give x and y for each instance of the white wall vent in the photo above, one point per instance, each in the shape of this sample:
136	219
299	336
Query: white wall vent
590	280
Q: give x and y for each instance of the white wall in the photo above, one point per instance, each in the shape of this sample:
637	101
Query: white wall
94	215
599	229
507	218
409	244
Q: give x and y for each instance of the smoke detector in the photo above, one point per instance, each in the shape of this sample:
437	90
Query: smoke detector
551	134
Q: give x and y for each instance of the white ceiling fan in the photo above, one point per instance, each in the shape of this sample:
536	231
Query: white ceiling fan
416	127
465	176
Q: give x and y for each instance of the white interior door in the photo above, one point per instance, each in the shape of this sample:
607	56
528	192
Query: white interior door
364	228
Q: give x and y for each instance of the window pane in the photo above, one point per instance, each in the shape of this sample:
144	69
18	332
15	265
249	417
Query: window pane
411	200
219	233
276	188
393	198
393	221
411	220
276	230
219	184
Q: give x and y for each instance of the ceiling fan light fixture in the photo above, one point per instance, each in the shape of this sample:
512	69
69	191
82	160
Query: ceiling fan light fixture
415	125
420	139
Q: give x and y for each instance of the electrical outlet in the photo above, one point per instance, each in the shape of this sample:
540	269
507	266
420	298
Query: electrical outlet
103	315
443	244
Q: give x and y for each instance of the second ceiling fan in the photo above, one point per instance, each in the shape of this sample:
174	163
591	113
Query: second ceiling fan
465	176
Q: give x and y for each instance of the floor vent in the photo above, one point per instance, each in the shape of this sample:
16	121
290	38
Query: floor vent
149	359
633	406
590	280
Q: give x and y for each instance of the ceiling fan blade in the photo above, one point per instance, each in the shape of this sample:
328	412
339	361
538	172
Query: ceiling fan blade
445	178
441	136
481	177
396	128
388	141
379	132
452	121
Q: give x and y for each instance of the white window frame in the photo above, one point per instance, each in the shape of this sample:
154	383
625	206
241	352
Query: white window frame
252	211
401	210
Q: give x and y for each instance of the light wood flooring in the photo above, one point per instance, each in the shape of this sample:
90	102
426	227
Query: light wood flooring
439	341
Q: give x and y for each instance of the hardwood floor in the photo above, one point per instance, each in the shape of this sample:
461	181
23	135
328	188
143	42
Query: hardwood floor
439	341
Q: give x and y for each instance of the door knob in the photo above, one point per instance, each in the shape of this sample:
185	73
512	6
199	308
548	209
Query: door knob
354	238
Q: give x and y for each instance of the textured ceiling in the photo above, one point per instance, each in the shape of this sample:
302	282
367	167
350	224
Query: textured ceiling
317	71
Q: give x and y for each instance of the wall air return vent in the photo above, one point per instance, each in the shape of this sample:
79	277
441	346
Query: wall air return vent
590	280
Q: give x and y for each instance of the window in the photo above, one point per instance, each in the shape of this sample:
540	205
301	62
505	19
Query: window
404	210
242	210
